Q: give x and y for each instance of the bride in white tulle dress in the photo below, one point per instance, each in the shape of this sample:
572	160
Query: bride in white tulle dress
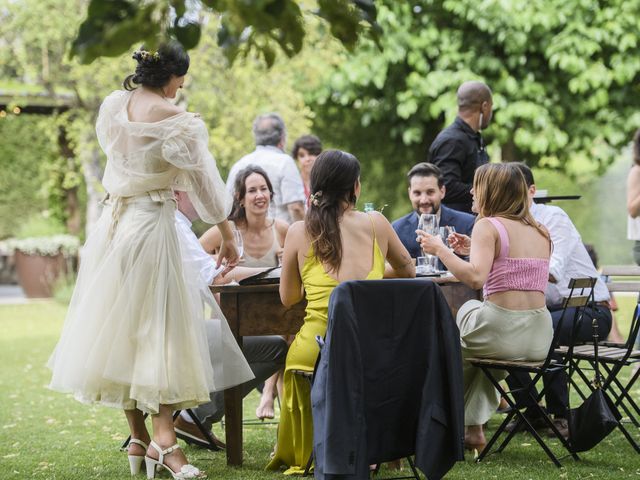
134	336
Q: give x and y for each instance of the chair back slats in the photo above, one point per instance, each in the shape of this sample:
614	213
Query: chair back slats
621	270
586	282
577	301
623	286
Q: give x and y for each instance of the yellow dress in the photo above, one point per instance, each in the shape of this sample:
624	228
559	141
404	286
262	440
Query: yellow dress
295	431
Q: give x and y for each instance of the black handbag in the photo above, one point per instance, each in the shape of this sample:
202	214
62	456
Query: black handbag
597	417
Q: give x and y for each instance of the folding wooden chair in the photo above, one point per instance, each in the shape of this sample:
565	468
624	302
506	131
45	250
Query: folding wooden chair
612	357
581	294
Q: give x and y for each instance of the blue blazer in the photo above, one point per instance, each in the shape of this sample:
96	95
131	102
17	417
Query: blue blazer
406	227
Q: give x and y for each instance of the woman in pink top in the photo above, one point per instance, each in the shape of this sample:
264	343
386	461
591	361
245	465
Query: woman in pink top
509	257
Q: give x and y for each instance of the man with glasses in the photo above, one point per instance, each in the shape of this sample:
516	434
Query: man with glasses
459	149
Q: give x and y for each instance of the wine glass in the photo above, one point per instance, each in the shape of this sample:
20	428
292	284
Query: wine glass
445	232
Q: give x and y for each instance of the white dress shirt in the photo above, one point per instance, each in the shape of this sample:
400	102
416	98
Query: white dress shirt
283	174
192	251
569	258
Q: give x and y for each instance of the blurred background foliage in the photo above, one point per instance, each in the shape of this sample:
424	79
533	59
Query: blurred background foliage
565	76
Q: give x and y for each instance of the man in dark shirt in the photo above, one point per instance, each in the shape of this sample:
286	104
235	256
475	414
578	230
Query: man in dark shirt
459	149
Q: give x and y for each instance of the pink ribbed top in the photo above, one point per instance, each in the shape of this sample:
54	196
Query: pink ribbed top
514	273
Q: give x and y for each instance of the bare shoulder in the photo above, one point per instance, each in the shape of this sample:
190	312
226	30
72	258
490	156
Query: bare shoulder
380	222
634	173
164	110
296	239
484	227
281	226
296	230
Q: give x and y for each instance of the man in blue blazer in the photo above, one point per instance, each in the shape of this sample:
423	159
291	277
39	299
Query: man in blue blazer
426	191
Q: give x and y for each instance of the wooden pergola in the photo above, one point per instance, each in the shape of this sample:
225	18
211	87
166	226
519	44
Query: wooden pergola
16	103
43	103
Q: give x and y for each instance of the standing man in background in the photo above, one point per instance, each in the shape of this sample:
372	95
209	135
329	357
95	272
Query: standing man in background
459	149
270	136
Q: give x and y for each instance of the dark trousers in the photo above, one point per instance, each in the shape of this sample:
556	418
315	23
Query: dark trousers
556	386
265	355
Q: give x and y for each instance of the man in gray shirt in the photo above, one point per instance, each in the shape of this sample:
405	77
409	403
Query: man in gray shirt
270	136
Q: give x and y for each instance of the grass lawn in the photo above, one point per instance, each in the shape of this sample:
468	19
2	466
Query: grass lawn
47	435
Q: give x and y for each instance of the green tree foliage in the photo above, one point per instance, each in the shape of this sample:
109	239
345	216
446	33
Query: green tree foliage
113	26
228	98
565	76
22	151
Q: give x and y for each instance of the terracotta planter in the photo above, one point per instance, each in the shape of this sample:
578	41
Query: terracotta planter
37	274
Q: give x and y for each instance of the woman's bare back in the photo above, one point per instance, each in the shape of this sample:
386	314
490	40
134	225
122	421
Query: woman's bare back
148	107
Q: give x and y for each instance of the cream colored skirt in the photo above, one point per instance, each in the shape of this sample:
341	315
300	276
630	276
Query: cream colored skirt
490	331
134	336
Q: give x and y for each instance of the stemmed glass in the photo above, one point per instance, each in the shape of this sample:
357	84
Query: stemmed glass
428	223
445	232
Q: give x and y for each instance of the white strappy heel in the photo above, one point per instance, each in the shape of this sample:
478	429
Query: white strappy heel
186	472
135	461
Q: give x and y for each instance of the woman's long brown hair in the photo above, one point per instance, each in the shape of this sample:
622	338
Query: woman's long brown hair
500	190
332	183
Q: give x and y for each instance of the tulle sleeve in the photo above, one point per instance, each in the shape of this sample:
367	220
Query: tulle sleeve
188	150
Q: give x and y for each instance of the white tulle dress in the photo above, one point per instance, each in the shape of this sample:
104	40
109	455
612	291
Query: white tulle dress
134	335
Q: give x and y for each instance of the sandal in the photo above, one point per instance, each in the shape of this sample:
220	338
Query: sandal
186	471
135	461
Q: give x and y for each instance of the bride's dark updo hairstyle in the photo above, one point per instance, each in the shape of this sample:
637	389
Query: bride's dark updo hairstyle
332	181
154	69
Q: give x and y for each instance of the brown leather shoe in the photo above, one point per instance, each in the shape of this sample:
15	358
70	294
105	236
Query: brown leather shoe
563	427
537	423
190	433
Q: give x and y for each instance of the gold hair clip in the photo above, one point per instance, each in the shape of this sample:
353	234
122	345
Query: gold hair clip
315	198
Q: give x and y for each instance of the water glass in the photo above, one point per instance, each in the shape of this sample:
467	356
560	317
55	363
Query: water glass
428	223
426	265
422	266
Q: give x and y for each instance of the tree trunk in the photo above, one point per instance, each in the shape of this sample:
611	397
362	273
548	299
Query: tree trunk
72	203
509	151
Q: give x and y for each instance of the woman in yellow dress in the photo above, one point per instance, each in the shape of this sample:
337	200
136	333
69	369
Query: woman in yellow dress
335	243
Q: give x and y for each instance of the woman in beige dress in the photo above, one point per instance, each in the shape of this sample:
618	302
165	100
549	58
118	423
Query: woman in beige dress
134	336
262	238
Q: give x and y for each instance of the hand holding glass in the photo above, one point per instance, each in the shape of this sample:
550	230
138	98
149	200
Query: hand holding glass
461	244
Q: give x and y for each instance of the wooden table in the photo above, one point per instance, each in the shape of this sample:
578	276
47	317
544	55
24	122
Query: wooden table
256	310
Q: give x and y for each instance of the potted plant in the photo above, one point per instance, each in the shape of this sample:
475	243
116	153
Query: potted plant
42	255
